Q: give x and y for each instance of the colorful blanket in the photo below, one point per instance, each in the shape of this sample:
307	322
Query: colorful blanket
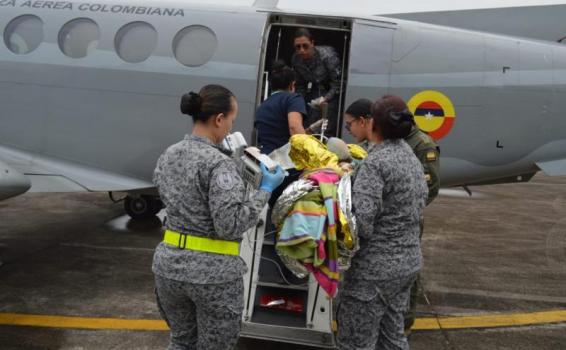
308	233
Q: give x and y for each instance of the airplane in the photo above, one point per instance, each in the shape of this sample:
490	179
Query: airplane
89	96
89	90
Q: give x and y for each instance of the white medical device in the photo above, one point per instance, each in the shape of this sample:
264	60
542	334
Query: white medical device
250	166
248	159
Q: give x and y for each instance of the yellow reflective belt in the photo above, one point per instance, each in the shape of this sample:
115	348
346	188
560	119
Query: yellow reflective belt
201	244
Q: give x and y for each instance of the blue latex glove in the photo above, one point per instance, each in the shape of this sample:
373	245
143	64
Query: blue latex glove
271	181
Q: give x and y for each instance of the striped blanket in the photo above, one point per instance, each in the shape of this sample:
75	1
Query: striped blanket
308	233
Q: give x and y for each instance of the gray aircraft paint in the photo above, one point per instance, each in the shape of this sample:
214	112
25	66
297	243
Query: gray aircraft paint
544	22
517	107
101	122
104	113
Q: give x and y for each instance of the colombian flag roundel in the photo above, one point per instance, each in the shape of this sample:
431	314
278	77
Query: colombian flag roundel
434	113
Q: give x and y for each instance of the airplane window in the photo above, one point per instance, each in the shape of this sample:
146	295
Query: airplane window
24	34
79	37
194	45
136	41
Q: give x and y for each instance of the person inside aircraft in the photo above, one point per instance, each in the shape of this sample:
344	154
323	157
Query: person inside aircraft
388	195
318	77
281	115
197	267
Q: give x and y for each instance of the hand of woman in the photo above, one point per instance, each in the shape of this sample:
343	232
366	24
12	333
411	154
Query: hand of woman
271	181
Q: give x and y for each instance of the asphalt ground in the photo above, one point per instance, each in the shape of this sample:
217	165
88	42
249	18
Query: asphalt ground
494	276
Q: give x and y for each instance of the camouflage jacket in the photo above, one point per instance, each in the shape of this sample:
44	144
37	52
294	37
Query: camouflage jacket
319	76
388	196
204	196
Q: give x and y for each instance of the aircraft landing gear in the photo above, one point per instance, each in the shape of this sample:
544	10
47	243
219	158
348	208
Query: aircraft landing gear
142	207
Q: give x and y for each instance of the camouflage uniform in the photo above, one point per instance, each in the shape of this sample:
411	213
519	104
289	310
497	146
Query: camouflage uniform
428	153
389	194
319	77
201	294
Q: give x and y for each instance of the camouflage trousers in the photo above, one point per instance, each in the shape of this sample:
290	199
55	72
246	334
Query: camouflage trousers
201	316
370	314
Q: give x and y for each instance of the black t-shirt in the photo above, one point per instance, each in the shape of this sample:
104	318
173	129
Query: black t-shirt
272	121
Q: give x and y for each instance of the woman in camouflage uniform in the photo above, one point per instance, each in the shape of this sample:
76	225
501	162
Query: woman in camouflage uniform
389	193
198	270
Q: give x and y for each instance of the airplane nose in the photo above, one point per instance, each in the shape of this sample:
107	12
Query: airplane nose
12	182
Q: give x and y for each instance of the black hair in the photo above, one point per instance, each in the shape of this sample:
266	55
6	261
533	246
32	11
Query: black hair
392	119
211	100
360	108
281	76
300	32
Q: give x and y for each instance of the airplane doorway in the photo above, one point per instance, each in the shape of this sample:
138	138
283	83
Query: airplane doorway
279	304
280	46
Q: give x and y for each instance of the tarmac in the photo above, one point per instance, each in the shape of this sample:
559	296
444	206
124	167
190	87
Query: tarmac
494	276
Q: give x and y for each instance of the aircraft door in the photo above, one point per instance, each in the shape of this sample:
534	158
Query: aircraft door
502	62
518	83
501	79
369	70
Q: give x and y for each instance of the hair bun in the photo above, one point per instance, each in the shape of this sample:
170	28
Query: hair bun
191	104
401	123
278	66
398	118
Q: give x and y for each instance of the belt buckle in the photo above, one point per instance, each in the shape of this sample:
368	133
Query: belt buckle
183	239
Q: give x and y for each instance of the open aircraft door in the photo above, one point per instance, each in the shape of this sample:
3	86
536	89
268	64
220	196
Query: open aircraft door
278	306
369	67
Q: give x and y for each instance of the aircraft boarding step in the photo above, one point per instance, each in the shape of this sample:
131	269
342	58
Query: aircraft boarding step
278	305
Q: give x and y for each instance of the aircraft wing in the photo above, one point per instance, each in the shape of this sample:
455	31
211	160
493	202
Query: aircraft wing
553	168
52	175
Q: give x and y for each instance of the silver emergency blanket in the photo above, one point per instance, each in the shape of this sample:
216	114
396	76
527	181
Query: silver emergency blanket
285	204
293	265
282	207
290	195
346	254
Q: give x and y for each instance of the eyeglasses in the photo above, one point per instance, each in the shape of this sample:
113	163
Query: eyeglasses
305	46
348	124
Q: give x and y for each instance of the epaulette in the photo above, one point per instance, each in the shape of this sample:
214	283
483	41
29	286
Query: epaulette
427	140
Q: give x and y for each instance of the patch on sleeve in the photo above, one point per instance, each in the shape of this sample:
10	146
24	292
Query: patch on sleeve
431	156
428	178
364	205
226	180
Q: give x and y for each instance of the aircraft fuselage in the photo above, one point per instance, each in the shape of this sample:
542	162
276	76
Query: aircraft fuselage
104	105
